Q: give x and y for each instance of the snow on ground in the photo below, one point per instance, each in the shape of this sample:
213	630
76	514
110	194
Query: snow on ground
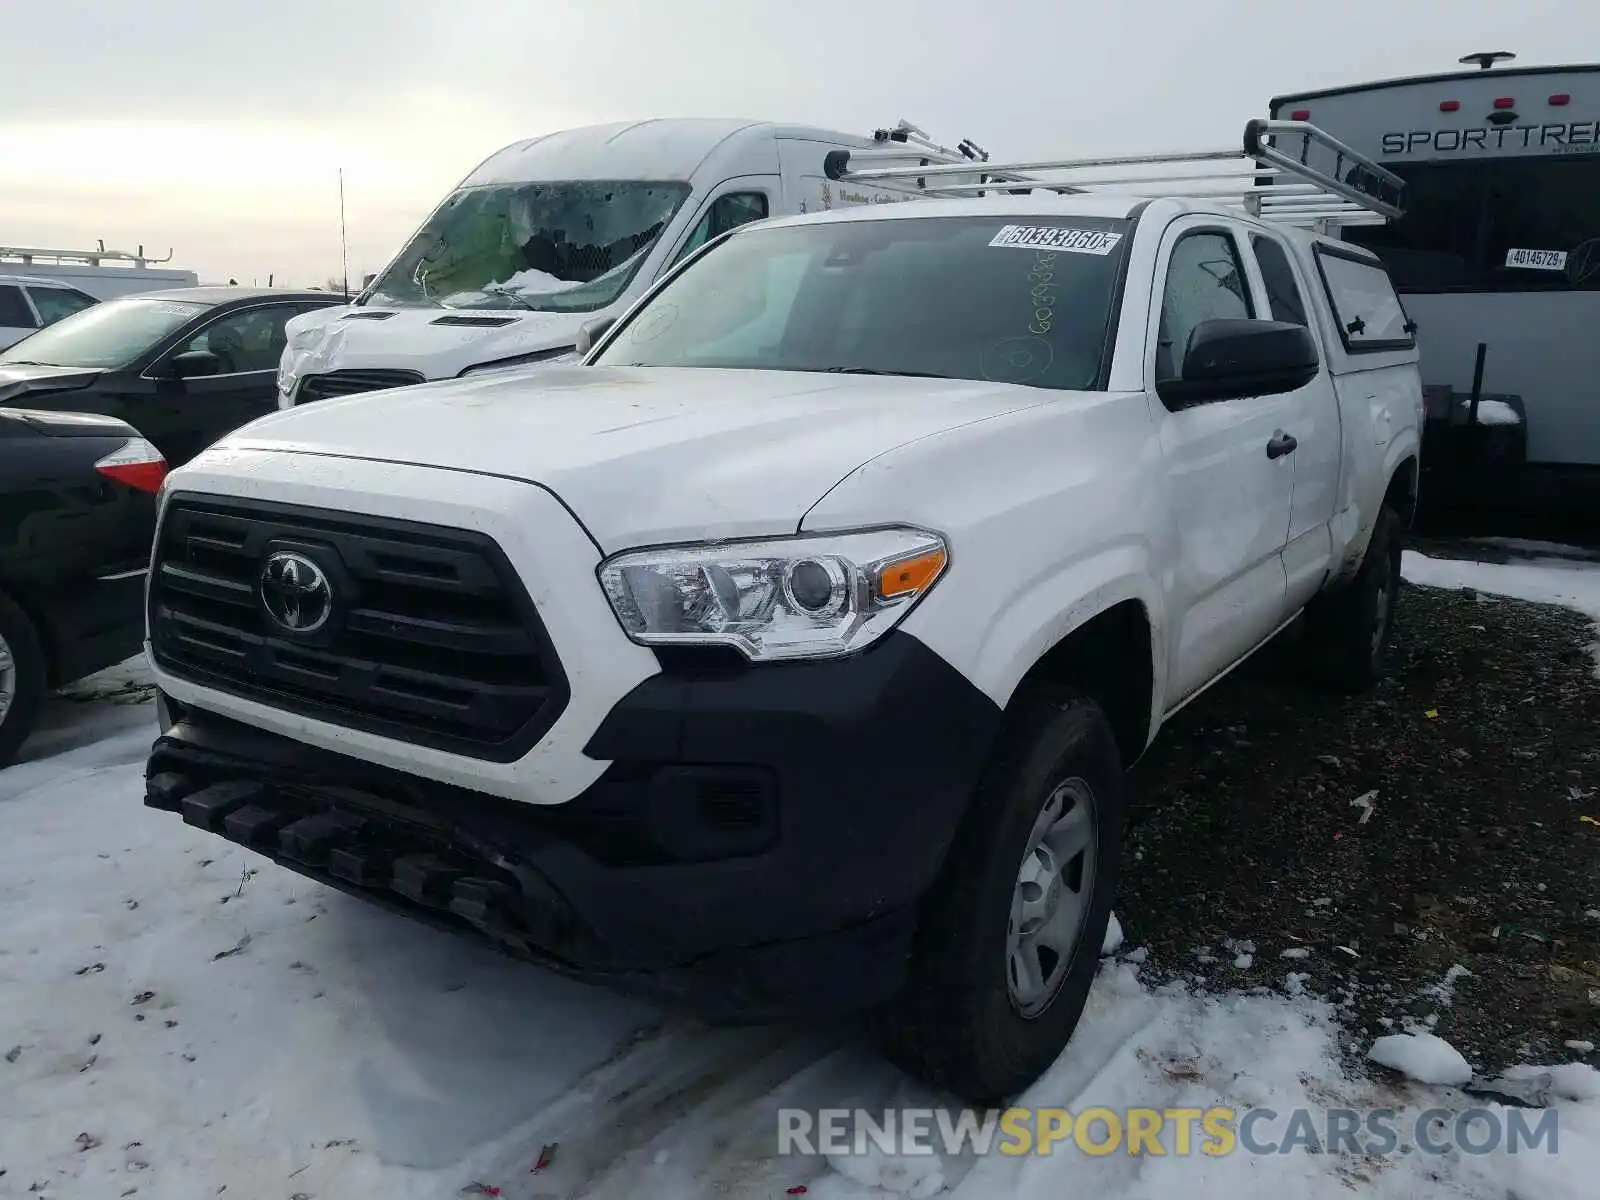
179	1017
1424	1057
1550	574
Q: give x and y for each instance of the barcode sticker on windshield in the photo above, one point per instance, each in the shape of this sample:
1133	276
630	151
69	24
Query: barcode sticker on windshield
1537	260
1054	237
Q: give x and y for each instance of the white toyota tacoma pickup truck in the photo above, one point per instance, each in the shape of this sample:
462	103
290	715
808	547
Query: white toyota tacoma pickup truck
786	655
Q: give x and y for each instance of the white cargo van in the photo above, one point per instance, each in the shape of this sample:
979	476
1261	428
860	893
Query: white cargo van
550	234
100	273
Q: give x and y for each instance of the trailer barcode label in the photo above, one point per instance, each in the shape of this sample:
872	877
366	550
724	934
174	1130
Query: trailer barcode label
1045	237
1537	260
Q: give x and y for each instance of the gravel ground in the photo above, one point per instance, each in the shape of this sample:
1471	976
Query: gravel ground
1251	834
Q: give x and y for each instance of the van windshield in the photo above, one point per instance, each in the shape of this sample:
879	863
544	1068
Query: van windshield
1025	300
550	247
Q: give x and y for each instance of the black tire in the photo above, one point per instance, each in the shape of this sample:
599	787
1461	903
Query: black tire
27	676
956	1025
1348	630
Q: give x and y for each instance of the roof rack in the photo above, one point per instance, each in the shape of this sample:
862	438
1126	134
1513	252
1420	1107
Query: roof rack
1320	183
30	255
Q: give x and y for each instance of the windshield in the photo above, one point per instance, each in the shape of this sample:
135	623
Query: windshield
1026	301
1501	225
110	334
551	247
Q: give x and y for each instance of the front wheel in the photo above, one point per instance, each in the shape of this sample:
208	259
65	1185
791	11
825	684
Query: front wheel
1010	936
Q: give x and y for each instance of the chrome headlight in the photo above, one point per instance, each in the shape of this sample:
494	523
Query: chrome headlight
816	596
287	378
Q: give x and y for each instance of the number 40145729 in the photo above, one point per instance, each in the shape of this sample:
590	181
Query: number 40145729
1537	260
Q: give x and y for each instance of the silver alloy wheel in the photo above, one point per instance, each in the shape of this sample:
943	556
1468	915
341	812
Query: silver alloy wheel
1051	899
8	679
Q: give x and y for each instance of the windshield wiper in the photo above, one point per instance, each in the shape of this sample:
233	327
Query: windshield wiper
510	295
876	371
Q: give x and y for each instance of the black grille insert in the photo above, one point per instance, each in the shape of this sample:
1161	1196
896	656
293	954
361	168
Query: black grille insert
352	383
432	638
471	321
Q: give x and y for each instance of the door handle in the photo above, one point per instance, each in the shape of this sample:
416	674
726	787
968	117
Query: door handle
1282	443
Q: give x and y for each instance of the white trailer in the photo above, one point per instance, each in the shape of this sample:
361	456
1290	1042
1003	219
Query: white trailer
1497	259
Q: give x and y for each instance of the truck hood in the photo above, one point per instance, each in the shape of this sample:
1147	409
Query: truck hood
437	343
648	455
21	379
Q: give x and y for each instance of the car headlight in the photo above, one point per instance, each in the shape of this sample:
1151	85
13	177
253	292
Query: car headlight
287	378
815	596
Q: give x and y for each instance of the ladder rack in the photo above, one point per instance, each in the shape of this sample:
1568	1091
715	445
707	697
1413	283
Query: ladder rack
1288	172
93	258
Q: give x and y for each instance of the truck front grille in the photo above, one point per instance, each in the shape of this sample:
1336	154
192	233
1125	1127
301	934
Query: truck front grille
352	382
416	632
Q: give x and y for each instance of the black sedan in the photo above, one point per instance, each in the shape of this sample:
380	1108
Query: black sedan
77	515
184	367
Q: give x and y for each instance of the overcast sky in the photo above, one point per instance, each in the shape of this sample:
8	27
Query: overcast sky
218	128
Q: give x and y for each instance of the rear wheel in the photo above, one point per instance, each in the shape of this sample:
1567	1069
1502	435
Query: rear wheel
1010	936
22	678
1348	630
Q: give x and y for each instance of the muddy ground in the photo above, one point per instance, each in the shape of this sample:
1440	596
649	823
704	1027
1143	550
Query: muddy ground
1479	758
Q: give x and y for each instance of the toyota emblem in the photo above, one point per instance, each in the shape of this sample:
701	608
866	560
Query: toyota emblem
295	592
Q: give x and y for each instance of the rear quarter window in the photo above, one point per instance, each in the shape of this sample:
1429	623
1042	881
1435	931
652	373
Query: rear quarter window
1369	313
1282	290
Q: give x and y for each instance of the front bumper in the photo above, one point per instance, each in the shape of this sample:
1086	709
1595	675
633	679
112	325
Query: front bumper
541	541
756	848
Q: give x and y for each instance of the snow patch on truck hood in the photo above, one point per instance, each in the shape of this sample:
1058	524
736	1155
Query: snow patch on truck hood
412	340
647	455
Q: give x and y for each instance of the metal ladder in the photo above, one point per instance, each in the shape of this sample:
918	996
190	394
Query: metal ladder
1288	172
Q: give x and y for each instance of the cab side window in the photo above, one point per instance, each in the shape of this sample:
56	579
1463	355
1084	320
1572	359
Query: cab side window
14	311
1205	282
54	303
728	211
1283	291
251	340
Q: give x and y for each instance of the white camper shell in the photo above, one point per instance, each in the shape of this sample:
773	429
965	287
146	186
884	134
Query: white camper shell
552	233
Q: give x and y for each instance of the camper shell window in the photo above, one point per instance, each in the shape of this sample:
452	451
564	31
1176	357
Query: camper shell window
1462	221
547	247
1369	313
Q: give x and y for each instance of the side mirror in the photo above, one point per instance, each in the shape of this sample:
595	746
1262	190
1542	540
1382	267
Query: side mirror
592	333
1234	359
192	364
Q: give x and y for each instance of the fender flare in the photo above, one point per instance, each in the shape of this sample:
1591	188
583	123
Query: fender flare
1059	604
